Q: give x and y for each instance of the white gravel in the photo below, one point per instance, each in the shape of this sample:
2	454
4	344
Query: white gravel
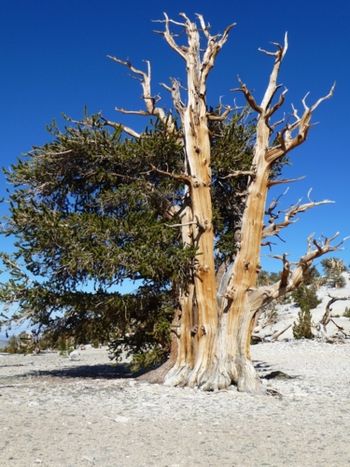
58	412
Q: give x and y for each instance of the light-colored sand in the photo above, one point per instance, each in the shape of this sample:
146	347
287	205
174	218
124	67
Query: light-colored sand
56	412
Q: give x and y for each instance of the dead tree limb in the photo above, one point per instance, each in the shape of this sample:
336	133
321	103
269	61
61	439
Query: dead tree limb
181	177
296	276
289	218
327	315
294	134
238	173
284	181
150	101
278	334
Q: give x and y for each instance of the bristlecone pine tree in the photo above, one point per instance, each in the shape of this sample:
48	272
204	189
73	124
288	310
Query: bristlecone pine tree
333	269
218	297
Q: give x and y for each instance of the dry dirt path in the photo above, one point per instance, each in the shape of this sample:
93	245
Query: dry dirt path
55	412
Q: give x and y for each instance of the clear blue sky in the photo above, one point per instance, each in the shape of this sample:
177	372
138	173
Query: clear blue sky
54	60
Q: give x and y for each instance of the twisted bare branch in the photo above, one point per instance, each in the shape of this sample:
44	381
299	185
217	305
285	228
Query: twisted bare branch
284	181
278	104
238	173
125	128
274	228
214	45
285	271
301	125
174	90
327	315
296	277
150	101
248	95
183	177
220	118
272	86
169	37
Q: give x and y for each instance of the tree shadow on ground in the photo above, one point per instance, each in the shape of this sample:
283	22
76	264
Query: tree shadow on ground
116	371
123	371
266	371
100	371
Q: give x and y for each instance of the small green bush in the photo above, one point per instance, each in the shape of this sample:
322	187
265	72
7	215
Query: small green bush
347	312
65	345
306	297
302	327
23	343
12	345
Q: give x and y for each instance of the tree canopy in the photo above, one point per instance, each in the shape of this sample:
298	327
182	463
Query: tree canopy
91	209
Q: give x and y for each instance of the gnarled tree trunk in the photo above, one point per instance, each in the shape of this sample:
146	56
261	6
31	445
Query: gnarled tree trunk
217	319
220	354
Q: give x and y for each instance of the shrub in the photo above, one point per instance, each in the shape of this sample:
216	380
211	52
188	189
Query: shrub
12	345
302	327
23	343
306	297
65	345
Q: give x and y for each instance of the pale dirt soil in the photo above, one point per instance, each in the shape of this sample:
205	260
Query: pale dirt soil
56	412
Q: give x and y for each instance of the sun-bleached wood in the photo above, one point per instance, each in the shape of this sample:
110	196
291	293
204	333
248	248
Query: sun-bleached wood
218	310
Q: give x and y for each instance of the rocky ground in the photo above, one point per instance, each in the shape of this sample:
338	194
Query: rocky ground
58	412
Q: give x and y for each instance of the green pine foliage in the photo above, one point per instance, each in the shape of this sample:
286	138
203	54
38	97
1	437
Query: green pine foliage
89	212
333	269
305	297
267	278
302	327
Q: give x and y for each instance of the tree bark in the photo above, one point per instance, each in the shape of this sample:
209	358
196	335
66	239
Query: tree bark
217	319
194	358
220	354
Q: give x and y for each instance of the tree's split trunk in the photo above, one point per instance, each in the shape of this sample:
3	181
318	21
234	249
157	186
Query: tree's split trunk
219	354
217	319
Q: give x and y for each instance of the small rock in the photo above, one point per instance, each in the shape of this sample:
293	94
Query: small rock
121	419
74	356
